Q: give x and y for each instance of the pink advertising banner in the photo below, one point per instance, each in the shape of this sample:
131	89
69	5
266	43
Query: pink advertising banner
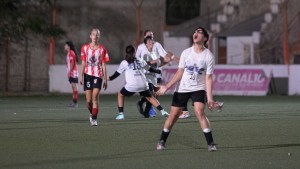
241	81
230	81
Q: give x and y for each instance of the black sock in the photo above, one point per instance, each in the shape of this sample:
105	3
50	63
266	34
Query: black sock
121	109
148	107
164	136
209	138
159	107
143	99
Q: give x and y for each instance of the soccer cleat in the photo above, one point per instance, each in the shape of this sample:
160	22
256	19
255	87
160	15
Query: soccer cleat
212	148
161	145
120	116
94	122
139	106
73	105
164	113
91	119
184	115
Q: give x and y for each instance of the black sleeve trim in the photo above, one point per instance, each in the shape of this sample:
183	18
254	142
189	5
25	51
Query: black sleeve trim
115	75
154	70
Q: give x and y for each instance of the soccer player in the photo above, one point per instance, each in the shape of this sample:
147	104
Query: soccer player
135	81
72	71
93	73
164	57
194	75
154	61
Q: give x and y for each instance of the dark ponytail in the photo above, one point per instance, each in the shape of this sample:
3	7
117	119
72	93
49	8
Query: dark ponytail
72	47
130	54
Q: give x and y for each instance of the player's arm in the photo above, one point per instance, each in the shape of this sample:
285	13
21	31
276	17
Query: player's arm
176	78
71	68
104	75
209	85
157	71
83	64
166	59
81	71
115	75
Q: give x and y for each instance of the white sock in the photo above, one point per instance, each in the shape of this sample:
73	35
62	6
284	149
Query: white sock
206	130
166	130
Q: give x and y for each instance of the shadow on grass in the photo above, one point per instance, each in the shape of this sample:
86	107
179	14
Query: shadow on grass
258	147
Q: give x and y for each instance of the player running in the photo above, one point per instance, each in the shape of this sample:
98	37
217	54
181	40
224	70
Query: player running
135	81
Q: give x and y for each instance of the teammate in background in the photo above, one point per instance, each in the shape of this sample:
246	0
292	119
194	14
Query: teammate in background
194	75
135	81
93	73
72	71
154	61
165	57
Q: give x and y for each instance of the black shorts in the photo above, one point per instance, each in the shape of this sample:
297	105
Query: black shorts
152	88
159	80
125	92
73	80
91	82
181	99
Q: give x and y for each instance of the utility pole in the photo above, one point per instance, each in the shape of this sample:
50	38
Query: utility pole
286	52
52	40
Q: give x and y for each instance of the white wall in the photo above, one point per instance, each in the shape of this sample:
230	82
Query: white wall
176	44
238	48
294	80
58	80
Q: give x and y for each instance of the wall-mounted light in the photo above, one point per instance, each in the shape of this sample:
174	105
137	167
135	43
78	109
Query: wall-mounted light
215	27
274	8
268	17
228	9
222	18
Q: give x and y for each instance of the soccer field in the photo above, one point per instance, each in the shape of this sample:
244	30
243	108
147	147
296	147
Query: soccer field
39	132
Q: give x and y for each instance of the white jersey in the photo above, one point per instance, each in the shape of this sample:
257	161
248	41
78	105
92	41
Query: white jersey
157	48
196	66
157	52
160	51
148	57
134	75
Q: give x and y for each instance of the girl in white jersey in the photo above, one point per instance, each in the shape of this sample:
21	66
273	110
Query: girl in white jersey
135	81
194	77
93	72
72	70
163	58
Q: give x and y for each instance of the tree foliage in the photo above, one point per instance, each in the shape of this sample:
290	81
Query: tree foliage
20	17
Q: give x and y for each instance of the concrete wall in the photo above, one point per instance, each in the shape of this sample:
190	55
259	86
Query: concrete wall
58	79
239	50
28	63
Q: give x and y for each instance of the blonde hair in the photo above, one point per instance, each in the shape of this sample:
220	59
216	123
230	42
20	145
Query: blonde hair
98	32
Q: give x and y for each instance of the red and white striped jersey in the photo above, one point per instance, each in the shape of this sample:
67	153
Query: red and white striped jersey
71	58
94	59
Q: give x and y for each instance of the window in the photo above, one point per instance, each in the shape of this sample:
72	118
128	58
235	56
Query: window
179	11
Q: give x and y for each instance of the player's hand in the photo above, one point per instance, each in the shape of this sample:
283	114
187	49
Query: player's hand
105	84
210	104
162	90
81	81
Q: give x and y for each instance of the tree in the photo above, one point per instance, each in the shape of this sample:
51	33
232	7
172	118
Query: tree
20	18
137	6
